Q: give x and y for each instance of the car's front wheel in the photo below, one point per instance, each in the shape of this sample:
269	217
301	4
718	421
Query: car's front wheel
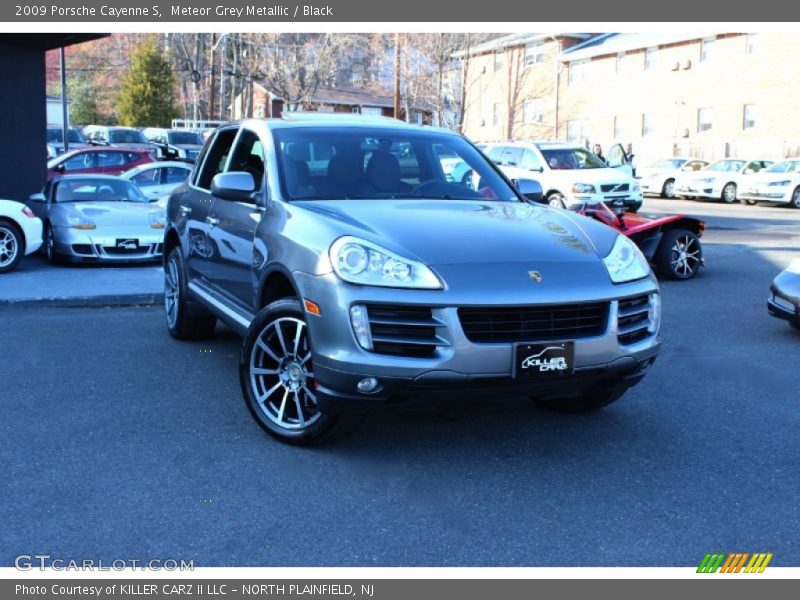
50	245
185	320
795	201
276	370
11	246
668	191
729	193
587	402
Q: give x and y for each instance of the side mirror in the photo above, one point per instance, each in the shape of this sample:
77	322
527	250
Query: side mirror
38	197
237	186
61	168
531	189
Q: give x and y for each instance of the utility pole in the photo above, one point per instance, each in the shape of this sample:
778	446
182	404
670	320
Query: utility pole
222	79
396	75
213	76
64	106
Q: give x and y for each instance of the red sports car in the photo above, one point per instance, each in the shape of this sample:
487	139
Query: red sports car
671	244
106	160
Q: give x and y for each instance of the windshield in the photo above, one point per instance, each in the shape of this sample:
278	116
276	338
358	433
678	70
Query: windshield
325	163
92	189
674	163
184	138
565	159
126	136
56	136
787	166
726	165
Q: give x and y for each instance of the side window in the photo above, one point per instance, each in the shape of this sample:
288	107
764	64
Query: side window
248	156
147	178
530	161
511	157
110	159
694	165
80	161
176	175
495	153
216	157
753	167
131	157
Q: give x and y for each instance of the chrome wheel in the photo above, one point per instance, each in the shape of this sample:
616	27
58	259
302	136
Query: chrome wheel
9	246
729	193
686	256
281	375
171	292
795	202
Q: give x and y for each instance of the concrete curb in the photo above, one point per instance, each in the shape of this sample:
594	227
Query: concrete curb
110	301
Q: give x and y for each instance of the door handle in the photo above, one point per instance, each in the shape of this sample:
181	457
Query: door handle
212	221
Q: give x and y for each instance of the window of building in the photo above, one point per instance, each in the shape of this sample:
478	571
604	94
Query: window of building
618	125
577	131
534	53
650	59
618	63
752	43
648	124
578	71
499	61
749	120
497	113
532	111
707	49
705	119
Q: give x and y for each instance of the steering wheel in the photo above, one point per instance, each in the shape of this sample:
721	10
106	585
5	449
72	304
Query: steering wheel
104	193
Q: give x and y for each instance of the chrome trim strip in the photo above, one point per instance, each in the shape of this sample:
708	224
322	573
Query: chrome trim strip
219	305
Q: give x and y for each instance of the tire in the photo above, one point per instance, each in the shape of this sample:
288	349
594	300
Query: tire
276	375
728	195
795	201
748	202
679	254
50	245
668	189
12	246
185	319
580	404
556	200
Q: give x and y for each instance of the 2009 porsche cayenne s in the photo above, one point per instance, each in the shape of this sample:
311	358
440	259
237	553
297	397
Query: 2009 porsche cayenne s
359	275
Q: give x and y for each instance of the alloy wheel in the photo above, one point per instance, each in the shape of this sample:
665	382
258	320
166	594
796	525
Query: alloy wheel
729	193
685	259
281	374
171	292
9	246
669	189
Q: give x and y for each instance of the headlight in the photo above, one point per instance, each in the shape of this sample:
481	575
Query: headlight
780	183
80	222
626	262
365	263
583	188
794	266
636	187
157	220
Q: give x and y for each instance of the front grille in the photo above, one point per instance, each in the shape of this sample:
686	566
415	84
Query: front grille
632	319
534	323
615	187
404	330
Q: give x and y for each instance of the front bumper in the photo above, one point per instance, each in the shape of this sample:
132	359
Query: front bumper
782	194
32	229
697	189
460	365
782	303
94	245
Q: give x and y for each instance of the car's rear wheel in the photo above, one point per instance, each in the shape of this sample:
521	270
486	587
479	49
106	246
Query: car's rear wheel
729	193
668	191
50	245
12	244
556	200
679	254
587	402
795	201
276	371
185	319
748	202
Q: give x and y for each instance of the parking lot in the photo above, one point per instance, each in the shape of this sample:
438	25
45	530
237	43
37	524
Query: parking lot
117	441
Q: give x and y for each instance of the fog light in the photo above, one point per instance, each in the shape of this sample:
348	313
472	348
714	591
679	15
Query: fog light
367	385
360	322
654	313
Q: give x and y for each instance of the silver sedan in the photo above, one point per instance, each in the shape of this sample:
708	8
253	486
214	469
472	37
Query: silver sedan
92	218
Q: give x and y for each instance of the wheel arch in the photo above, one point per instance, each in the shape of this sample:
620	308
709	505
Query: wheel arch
171	240
276	283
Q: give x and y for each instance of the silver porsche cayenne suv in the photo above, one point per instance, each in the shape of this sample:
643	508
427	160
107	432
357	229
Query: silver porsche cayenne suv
360	275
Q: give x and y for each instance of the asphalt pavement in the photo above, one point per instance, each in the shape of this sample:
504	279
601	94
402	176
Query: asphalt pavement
118	442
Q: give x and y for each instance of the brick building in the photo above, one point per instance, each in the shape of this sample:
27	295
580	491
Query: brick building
716	95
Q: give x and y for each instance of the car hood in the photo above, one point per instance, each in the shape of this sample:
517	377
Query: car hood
114	214
442	232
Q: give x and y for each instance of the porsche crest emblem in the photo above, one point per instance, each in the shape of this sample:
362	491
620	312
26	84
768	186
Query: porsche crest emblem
535	276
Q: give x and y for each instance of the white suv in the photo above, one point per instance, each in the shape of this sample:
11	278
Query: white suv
570	175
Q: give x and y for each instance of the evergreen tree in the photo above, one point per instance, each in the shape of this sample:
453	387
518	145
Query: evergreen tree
146	92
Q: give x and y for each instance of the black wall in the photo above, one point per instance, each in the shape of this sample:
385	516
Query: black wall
23	122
